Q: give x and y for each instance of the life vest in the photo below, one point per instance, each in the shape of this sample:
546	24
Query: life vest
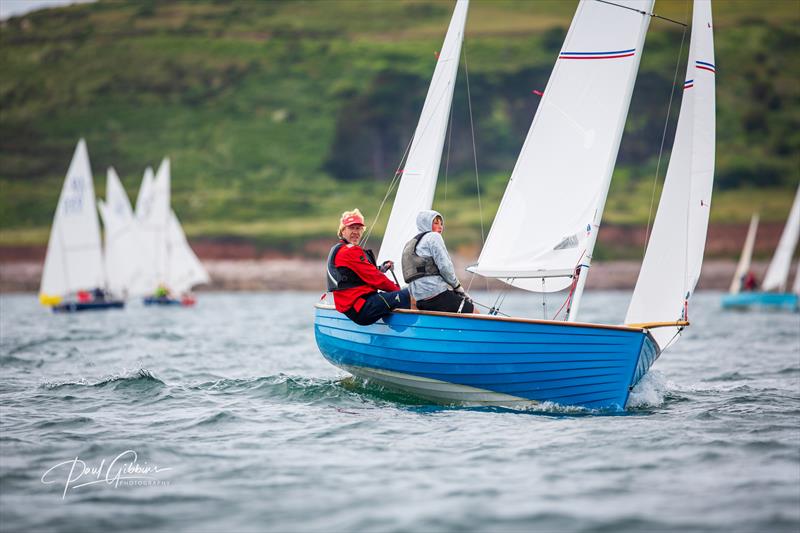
340	278
415	266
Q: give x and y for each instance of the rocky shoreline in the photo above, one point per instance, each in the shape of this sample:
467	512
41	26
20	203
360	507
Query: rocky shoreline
303	274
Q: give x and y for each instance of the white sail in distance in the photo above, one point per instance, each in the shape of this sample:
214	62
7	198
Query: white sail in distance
747	255
674	255
185	269
418	182
74	259
144	198
778	270
126	256
154	225
552	206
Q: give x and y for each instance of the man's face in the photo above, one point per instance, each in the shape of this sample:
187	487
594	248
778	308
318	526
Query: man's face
352	233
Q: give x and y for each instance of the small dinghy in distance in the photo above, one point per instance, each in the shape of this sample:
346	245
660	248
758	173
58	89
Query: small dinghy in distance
544	234
73	278
772	293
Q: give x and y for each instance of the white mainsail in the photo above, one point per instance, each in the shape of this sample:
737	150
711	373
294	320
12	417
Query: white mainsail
778	270
154	224
144	198
796	286
674	254
126	256
74	258
549	216
418	182
747	255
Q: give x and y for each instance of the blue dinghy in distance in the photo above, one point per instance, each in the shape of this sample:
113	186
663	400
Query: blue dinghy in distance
764	300
489	360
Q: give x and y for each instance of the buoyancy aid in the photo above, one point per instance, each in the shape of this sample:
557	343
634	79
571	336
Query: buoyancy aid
415	266
340	278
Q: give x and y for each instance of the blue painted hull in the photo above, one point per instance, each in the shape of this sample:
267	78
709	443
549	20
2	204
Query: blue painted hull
152	300
464	359
74	307
767	300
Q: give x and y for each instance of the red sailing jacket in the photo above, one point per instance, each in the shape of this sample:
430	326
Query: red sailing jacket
354	258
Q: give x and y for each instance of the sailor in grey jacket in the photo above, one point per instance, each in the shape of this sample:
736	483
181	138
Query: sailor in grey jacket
432	245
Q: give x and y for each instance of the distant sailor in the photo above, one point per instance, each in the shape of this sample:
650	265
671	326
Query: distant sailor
429	271
354	279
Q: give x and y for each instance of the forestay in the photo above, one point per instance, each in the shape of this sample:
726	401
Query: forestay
555	197
674	254
418	182
778	270
74	259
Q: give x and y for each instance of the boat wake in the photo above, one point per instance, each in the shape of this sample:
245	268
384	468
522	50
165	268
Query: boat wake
651	391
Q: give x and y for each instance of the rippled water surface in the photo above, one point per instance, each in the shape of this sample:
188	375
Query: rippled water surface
237	423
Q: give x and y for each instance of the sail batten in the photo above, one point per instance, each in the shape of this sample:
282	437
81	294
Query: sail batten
551	210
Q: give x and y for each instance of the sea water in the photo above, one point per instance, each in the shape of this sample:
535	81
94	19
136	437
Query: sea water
225	417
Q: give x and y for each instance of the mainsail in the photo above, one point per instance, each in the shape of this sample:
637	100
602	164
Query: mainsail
145	196
747	255
418	182
548	219
126	256
778	270
674	256
154	224
74	258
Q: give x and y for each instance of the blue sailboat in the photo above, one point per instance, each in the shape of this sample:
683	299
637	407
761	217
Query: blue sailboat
772	293
543	235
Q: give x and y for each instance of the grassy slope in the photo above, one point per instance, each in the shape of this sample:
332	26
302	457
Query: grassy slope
255	101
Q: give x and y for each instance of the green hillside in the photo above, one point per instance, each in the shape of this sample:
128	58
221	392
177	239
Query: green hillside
279	115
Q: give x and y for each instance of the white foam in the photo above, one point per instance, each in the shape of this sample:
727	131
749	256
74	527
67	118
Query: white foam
651	390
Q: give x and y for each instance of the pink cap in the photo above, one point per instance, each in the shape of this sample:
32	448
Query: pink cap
352	219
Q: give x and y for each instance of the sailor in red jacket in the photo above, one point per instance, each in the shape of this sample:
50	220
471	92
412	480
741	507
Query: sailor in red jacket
355	280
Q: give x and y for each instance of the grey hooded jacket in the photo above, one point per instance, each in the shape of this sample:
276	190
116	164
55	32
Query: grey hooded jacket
432	245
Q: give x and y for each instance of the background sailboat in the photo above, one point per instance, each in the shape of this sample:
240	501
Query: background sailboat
125	253
543	235
74	278
772	293
174	267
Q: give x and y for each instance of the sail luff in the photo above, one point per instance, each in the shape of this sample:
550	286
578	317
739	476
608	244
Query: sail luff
418	183
778	270
746	258
674	255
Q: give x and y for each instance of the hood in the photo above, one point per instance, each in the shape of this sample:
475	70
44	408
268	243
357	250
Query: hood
425	220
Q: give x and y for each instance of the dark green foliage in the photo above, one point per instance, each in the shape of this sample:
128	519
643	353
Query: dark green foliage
300	109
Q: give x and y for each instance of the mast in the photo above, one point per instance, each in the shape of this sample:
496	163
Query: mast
421	171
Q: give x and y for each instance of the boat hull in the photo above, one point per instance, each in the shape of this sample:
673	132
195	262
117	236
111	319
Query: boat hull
74	307
765	300
469	360
153	300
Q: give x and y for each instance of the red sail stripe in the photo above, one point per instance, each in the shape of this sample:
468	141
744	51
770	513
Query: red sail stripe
706	68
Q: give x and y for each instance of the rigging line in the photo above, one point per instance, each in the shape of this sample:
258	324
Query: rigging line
389	190
449	146
474	150
663	139
654	15
475	160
